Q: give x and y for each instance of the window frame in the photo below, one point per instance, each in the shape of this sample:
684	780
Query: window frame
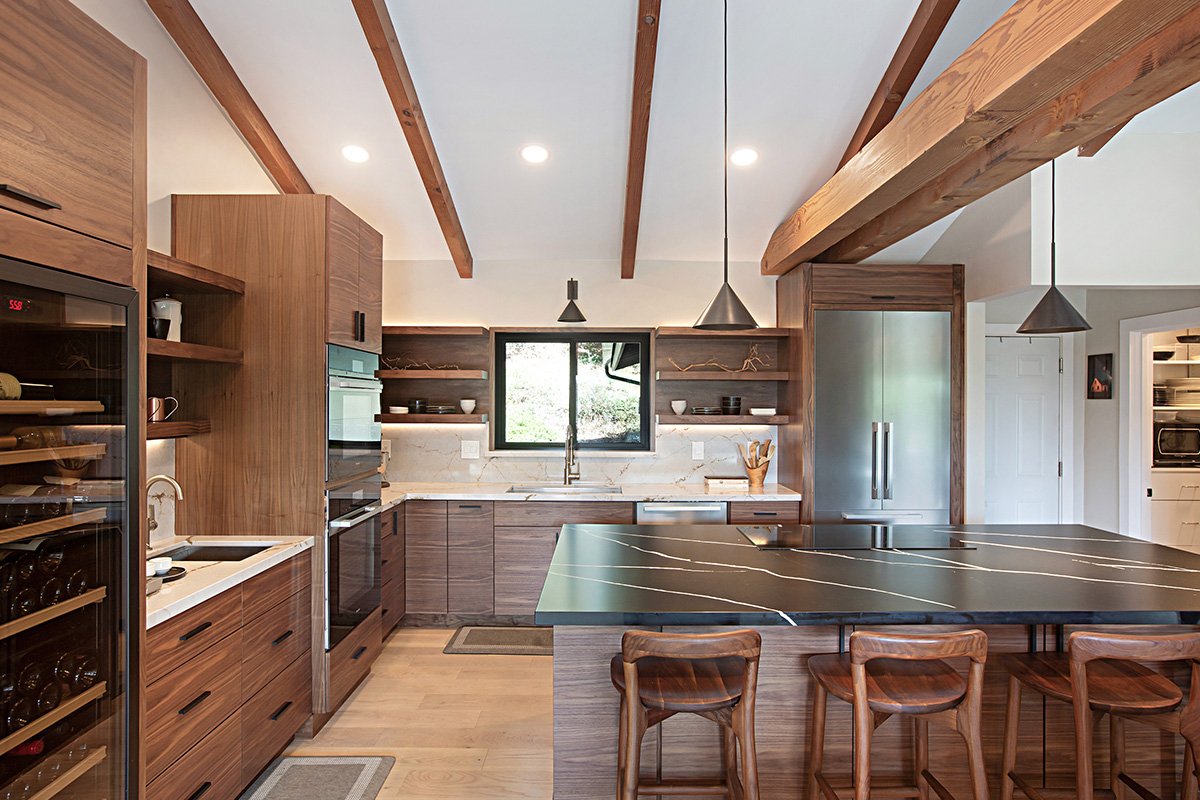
644	338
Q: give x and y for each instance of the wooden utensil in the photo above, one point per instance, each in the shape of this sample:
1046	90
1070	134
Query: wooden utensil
742	450
762	451
754	453
770	453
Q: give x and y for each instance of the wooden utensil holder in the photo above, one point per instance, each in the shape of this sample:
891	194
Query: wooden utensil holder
757	474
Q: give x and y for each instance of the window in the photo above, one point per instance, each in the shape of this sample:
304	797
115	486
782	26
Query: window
599	383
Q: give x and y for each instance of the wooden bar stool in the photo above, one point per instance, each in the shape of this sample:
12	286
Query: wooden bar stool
712	675
1099	675
893	673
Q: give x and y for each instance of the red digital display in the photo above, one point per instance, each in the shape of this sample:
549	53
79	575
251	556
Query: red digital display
18	304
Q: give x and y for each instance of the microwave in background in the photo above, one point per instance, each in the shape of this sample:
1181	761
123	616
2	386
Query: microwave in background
1176	444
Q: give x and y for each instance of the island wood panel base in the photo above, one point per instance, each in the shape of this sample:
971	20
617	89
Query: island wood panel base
585	723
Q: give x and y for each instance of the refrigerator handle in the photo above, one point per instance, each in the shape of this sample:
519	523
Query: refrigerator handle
887	461
874	460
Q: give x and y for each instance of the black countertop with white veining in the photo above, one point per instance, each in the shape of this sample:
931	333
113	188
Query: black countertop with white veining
1009	574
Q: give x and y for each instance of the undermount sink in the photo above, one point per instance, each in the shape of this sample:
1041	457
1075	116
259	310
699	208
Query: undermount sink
559	488
214	552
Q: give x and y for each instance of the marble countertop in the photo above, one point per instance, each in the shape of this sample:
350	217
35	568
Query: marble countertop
1013	574
207	579
630	493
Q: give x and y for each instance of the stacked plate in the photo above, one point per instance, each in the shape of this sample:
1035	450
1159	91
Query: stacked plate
441	410
703	410
1183	391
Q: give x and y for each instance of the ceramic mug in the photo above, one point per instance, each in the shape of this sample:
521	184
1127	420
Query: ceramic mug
157	407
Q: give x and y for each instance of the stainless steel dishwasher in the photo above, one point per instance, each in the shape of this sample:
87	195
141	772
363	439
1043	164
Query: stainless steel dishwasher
707	512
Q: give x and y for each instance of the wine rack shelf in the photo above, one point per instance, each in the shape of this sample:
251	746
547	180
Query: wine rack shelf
72	774
51	525
64	710
51	408
46	614
51	453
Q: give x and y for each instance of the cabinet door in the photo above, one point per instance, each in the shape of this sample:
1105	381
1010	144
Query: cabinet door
425	556
469	557
522	560
370	286
393	570
67	98
341	275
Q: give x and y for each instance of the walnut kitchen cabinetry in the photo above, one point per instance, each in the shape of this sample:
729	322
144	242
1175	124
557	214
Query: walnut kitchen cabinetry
230	682
392	533
448	557
72	146
759	513
353	281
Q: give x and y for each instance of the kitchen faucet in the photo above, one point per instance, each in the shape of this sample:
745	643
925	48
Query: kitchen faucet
151	522
571	466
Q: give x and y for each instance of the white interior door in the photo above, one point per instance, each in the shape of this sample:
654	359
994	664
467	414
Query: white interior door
1022	478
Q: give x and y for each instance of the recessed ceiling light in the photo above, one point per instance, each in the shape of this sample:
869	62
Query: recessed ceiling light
353	152
534	153
744	156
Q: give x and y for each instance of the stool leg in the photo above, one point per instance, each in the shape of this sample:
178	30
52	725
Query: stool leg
729	756
864	726
635	729
622	735
1189	773
816	741
1083	750
974	739
1116	750
743	729
921	726
1012	718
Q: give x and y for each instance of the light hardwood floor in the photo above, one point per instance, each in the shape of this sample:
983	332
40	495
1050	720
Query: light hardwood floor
458	726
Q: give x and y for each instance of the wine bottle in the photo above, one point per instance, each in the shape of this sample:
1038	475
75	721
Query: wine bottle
48	697
50	557
77	583
30	677
21	602
20	714
51	592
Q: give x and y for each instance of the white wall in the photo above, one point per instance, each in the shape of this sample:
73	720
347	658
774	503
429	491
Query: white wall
192	147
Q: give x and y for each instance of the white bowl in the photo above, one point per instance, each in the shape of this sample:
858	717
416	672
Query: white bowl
679	406
763	412
467	405
162	565
397	409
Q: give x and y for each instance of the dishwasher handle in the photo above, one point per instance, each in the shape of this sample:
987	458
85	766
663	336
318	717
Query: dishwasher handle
682	508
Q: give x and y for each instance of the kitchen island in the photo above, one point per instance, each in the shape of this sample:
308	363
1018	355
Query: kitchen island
1024	585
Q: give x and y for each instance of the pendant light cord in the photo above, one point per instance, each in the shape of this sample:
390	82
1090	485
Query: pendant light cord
725	144
1053	208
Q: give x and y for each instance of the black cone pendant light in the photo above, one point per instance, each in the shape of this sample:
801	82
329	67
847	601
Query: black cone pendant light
1053	314
572	313
726	312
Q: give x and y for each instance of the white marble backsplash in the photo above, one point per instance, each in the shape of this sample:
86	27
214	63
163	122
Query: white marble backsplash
160	460
434	453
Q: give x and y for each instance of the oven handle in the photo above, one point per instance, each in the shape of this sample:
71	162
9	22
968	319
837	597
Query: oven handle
356	383
351	521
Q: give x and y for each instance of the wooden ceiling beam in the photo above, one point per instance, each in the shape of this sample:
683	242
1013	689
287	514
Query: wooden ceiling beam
1093	146
1145	75
198	46
1034	55
385	45
639	127
922	34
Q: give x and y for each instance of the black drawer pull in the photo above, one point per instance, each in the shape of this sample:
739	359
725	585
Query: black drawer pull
883	297
194	631
358	653
766	513
461	506
203	696
8	188
281	638
204	787
275	717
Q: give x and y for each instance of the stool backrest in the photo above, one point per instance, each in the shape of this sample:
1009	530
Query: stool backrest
639	644
866	646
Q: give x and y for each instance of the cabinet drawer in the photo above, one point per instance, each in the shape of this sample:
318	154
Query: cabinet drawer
68	89
268	589
393	604
212	770
1175	523
351	659
183	708
522	560
855	284
1175	486
272	717
535	513
276	639
173	642
766	513
392	551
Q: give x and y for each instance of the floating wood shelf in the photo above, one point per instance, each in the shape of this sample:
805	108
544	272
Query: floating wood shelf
688	333
434	330
1169	362
171	274
436	419
51	408
53	612
720	419
68	707
71	775
432	374
1177	408
51	453
712	375
172	429
186	351
55	524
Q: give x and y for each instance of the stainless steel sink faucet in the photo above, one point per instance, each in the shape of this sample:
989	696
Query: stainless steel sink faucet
571	466
151	522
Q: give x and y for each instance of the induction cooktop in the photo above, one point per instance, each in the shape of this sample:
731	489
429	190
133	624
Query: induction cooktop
851	537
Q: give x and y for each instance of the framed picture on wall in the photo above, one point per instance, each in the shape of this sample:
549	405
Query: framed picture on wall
1100	377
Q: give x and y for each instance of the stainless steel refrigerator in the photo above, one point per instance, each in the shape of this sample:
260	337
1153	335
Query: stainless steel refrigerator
882	417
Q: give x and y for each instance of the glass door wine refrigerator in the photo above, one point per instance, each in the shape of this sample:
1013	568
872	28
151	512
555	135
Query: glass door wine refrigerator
69	469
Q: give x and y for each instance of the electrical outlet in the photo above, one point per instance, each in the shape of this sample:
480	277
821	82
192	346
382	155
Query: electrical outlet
470	449
385	447
697	451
